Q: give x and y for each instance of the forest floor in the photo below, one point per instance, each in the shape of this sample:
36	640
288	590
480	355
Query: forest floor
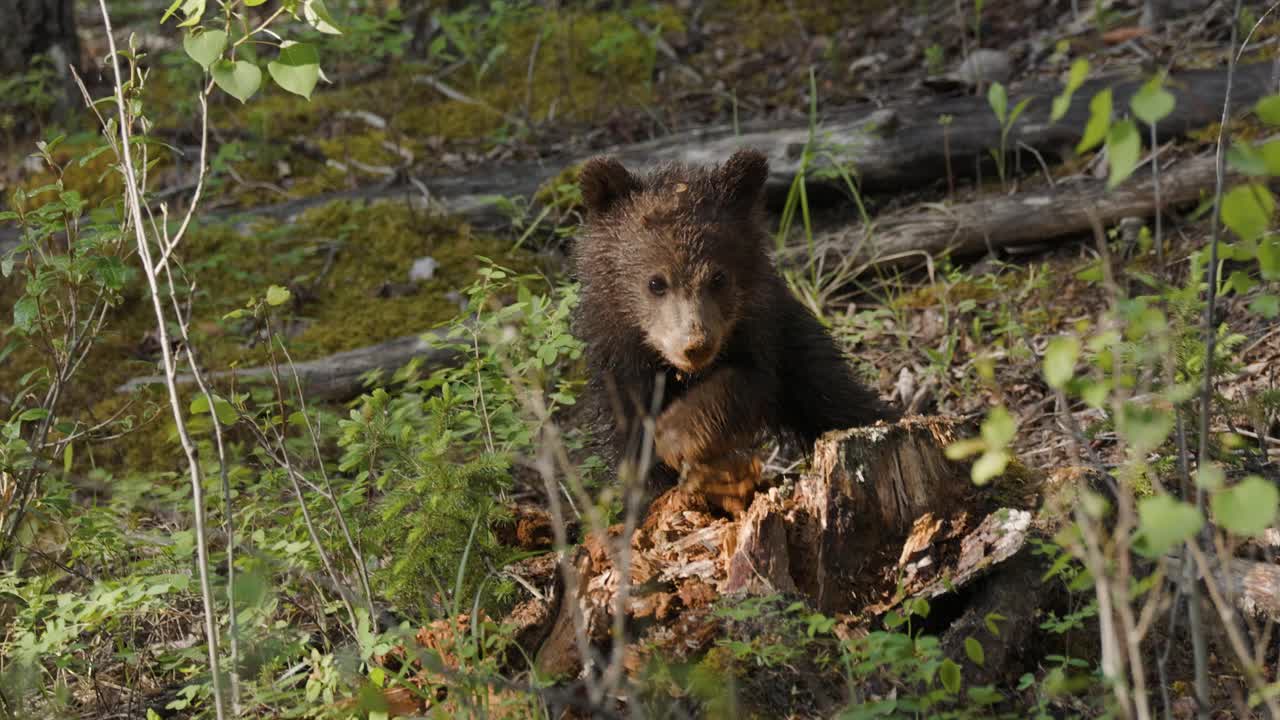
411	105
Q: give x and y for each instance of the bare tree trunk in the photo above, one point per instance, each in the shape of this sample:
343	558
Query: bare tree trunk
41	28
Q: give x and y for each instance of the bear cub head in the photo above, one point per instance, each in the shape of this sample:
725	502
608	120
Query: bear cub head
677	255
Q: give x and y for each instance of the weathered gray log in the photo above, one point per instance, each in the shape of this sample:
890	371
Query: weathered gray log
892	149
335	377
905	147
1010	221
1254	586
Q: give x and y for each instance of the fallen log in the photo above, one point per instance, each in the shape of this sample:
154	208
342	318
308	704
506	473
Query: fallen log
1010	221
882	517
1253	586
335	377
904	147
889	149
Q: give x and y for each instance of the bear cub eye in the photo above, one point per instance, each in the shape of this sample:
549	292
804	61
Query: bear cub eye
658	285
718	280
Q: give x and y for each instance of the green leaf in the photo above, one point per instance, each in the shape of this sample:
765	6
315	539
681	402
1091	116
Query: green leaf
1099	121
1239	282
962	449
973	649
277	295
992	621
318	17
1268	109
1247	210
1268	306
1061	104
949	673
238	79
296	69
1076	78
1060	360
1248	508
111	271
1017	110
998	99
25	312
1092	273
1095	394
199	404
1269	258
918	607
432	661
1145	427
1166	522
998	428
990	465
252	587
226	413
1077	75
1211	477
984	695
1124	147
173	8
33	414
1245	159
193	10
205	47
1152	103
1271	156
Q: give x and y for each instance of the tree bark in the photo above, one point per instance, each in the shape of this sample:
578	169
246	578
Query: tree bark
34	27
41	27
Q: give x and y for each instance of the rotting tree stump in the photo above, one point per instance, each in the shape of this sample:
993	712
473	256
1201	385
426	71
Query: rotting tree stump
882	516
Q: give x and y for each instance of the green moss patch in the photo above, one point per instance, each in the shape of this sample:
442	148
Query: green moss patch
586	66
347	265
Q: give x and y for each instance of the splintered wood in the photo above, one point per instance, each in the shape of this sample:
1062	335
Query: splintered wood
881	517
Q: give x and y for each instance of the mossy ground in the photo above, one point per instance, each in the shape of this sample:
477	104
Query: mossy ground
586	65
336	258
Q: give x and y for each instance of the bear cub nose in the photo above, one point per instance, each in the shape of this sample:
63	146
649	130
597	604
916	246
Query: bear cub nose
698	351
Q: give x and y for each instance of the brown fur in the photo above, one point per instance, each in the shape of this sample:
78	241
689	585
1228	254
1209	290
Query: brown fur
686	320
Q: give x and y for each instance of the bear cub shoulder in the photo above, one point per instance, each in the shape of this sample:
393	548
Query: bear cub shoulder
687	321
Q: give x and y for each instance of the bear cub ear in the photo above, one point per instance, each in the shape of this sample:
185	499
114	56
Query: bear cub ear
742	179
605	183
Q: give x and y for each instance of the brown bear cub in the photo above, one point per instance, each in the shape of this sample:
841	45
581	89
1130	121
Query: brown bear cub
687	321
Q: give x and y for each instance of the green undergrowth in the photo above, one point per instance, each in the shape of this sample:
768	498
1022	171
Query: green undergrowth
87	170
336	260
420	468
